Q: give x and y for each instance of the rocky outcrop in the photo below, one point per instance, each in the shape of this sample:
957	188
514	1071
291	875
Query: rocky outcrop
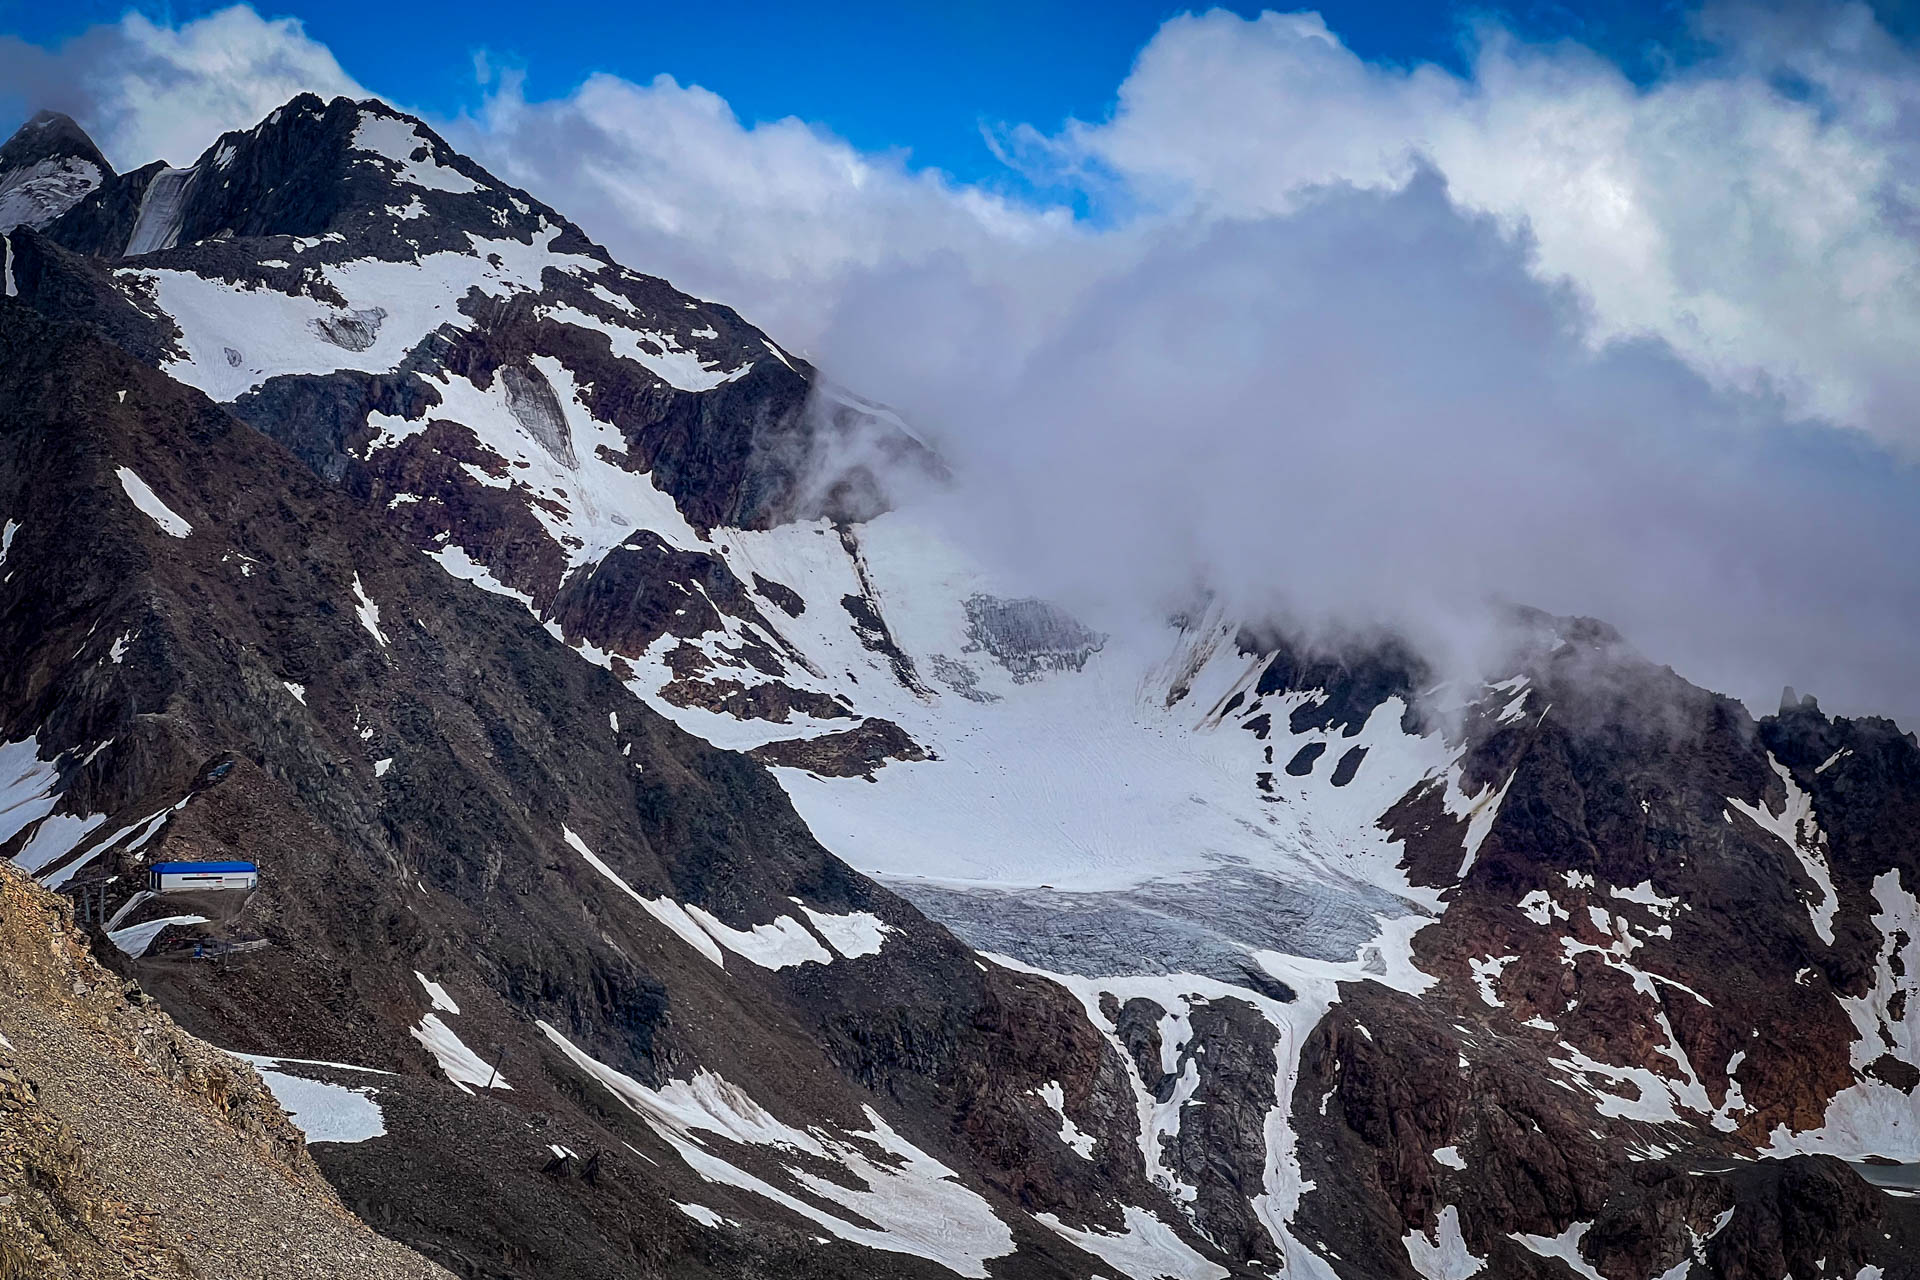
130	1149
847	753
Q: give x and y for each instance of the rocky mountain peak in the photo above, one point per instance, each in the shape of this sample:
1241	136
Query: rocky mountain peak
370	179
46	167
50	135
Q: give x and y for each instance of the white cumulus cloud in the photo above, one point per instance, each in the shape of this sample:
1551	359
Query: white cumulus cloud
147	92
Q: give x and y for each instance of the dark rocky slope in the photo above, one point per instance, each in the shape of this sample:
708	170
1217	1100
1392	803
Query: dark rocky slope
230	672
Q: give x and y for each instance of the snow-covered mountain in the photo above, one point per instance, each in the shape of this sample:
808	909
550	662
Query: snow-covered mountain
46	168
729	876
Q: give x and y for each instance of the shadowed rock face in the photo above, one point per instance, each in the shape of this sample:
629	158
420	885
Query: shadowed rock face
1656	932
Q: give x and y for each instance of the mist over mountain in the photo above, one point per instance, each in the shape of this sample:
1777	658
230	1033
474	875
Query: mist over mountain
1199	737
1675	415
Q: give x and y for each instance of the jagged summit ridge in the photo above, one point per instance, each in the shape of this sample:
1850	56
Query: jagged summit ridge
345	238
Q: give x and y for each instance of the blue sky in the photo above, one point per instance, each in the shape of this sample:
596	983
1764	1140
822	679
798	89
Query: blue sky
921	77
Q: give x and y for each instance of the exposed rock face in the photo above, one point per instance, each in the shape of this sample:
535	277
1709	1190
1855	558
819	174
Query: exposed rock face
547	637
848	753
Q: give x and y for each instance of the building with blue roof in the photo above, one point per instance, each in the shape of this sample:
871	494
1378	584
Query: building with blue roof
200	877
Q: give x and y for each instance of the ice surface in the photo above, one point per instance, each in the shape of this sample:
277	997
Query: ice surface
34	195
157	224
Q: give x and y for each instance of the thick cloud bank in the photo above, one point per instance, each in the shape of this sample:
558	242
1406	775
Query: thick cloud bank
148	92
1349	343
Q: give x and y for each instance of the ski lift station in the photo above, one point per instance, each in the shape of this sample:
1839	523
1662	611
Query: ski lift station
200	877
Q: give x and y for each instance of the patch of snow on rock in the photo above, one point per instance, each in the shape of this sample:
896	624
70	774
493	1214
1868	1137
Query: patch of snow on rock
906	1201
1565	1246
1070	1133
368	612
400	142
779	945
1796	827
1446	1258
1872	1117
462	1065
326	1112
858	933
1146	1246
169	520
665	910
135	939
437	994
